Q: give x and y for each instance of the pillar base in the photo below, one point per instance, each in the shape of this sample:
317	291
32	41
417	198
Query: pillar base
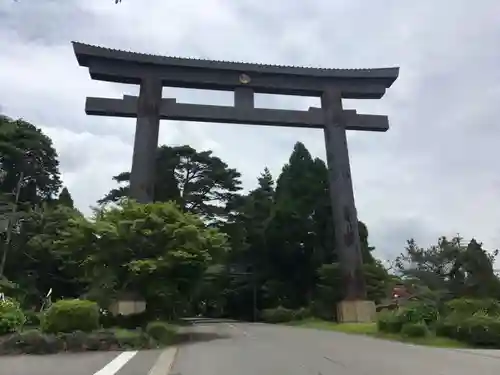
356	312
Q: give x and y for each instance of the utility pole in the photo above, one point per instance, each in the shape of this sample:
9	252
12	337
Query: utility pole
10	226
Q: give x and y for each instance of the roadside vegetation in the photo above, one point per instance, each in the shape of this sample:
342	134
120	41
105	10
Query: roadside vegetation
205	247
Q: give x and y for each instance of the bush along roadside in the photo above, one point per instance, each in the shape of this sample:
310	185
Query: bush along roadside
281	314
74	326
472	322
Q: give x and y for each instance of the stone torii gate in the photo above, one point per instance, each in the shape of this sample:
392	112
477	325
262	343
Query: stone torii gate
332	85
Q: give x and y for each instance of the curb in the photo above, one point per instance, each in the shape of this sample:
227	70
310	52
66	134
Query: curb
165	362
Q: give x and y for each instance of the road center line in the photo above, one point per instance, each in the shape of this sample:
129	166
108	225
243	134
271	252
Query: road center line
117	363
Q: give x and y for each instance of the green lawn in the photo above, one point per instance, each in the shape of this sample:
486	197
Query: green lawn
370	329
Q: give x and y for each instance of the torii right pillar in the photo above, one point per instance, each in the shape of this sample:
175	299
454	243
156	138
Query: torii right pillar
354	307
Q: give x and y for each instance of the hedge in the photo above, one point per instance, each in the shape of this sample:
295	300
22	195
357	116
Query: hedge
390	321
163	333
277	315
415	329
469	307
71	315
37	342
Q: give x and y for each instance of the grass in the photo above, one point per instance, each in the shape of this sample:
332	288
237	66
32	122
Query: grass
370	329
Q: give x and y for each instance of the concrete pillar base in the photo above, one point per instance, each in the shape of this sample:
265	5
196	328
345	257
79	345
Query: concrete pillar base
356	312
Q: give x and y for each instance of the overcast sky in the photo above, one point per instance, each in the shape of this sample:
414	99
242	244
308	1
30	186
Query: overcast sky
434	172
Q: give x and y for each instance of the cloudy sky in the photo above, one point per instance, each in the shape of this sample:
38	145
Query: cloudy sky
434	172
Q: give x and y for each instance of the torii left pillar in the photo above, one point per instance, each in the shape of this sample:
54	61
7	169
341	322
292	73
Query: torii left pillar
142	176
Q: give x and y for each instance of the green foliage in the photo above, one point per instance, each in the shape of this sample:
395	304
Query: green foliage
475	322
277	315
419	312
481	331
36	262
71	315
447	326
36	342
65	198
468	307
411	329
24	148
154	250
198	182
302	313
31	342
162	332
32	318
390	321
133	339
451	268
11	316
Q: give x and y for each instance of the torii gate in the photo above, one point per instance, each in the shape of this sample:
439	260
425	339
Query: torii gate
153	72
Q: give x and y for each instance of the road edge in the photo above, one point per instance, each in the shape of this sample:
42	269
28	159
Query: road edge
165	361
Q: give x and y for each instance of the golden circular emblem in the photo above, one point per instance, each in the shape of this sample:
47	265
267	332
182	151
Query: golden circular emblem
244	78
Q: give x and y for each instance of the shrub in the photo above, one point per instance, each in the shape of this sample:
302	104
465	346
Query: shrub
480	330
133	339
390	322
468	307
31	342
103	339
132	321
161	332
11	316
417	312
37	342
71	315
414	329
448	327
302	313
75	341
277	315
32	318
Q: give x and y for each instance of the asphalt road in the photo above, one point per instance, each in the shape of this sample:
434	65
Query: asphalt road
231	348
96	363
258	349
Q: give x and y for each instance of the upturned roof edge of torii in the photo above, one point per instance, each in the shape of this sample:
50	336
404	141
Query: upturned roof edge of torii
85	52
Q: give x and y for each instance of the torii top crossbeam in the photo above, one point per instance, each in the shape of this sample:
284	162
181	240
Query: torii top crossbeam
128	67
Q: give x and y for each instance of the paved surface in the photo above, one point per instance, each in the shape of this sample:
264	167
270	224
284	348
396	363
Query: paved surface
98	363
231	348
258	349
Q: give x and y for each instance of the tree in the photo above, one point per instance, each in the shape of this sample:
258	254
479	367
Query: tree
35	264
154	250
198	182
27	154
65	198
450	268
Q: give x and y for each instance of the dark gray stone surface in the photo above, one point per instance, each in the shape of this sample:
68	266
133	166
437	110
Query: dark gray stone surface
127	67
142	176
344	212
243	114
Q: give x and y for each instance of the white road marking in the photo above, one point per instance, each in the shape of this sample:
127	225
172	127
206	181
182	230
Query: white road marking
117	363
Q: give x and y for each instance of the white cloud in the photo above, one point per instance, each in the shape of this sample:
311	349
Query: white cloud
433	173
